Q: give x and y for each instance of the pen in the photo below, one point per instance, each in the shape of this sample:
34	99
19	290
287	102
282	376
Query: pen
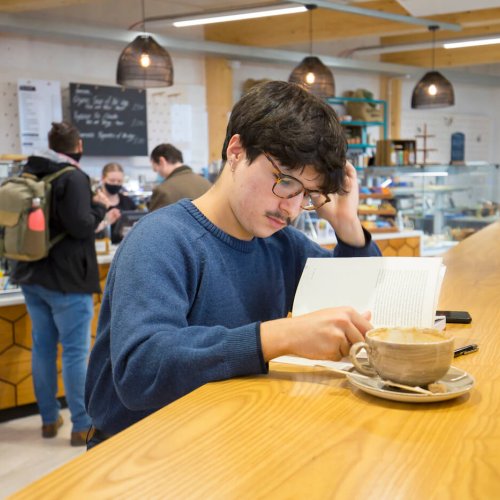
466	349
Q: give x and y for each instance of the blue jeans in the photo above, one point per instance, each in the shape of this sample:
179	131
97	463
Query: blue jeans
60	317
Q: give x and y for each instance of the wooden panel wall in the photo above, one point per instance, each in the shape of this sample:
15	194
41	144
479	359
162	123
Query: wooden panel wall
219	85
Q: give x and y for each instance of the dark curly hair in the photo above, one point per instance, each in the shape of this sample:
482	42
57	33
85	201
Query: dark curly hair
295	127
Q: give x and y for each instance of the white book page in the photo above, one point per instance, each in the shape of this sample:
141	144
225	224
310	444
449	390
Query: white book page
399	291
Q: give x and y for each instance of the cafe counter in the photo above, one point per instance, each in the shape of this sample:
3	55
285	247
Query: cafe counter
16	385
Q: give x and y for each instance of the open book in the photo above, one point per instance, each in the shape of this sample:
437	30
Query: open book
399	291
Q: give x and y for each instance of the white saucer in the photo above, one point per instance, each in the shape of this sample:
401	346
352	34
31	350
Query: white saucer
457	381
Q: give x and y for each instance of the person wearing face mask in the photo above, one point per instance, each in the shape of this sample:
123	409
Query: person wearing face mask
111	195
58	289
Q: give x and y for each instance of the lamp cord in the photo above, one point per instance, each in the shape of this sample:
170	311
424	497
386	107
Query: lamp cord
143	16
433	49
310	8
310	32
433	29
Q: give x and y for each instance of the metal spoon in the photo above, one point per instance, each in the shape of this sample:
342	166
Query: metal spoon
388	383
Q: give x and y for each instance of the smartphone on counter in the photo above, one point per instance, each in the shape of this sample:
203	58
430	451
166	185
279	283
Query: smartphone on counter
455	316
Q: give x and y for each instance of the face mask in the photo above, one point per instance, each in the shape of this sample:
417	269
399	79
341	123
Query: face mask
159	179
75	156
112	188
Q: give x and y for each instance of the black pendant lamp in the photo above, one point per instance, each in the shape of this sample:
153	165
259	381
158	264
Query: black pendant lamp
144	63
311	73
433	90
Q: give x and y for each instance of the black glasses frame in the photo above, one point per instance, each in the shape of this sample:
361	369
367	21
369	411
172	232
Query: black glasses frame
280	177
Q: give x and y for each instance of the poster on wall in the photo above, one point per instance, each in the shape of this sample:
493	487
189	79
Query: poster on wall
112	120
40	104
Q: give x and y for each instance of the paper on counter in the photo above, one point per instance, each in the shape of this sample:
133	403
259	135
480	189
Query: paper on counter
343	364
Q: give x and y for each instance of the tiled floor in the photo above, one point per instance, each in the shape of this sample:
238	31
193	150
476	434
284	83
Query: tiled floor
25	456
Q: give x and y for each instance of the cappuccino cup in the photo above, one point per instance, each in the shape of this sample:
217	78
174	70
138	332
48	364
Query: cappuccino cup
411	356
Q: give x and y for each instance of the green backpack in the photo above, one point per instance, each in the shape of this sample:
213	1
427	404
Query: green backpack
24	216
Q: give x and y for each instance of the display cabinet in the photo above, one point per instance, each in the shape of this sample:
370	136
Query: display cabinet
439	199
377	210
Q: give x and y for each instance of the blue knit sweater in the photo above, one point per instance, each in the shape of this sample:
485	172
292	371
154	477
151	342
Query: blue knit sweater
182	307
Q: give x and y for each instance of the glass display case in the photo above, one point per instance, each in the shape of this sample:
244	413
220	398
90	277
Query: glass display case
450	200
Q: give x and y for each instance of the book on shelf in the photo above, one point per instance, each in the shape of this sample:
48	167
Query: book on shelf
399	291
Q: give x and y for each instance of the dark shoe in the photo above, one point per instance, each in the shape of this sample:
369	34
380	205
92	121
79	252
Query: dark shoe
79	438
50	430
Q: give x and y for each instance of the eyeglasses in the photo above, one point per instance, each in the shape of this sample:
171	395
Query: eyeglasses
287	187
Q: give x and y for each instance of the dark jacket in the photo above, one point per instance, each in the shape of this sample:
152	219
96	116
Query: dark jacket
125	204
181	183
71	265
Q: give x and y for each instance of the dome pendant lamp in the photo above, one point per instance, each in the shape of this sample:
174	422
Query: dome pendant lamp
433	90
311	73
144	63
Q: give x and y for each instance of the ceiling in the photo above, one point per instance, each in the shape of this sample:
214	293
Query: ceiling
336	34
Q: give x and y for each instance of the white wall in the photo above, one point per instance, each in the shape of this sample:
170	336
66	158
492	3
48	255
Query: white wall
167	118
476	113
90	63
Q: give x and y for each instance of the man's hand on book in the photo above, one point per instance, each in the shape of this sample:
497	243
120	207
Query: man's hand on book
324	334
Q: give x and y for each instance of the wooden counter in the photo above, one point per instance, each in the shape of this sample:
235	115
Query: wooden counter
16	384
305	433
394	244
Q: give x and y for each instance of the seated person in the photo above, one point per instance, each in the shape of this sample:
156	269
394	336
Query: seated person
115	201
199	291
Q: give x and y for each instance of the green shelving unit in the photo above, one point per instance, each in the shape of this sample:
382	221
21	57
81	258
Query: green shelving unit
363	125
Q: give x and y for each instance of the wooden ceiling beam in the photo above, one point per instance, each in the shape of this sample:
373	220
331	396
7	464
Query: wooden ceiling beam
331	25
294	28
493	28
447	58
470	56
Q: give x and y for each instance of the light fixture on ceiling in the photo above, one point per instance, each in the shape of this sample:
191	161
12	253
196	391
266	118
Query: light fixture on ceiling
238	15
471	43
433	90
144	63
451	43
311	73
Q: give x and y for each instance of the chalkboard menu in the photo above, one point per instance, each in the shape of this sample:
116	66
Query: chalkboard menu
112	121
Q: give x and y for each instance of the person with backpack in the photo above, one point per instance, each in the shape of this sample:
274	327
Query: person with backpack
58	288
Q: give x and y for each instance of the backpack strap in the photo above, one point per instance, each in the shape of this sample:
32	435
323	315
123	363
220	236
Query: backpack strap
29	176
47	179
50	177
56	240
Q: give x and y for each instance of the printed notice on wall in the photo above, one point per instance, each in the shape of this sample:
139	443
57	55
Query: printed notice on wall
40	104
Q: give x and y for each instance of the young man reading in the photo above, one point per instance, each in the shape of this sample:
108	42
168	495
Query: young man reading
199	291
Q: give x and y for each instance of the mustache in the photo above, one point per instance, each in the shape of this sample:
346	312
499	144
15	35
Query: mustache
280	216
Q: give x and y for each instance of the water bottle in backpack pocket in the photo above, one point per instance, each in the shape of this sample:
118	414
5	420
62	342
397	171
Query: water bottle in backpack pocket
24	216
